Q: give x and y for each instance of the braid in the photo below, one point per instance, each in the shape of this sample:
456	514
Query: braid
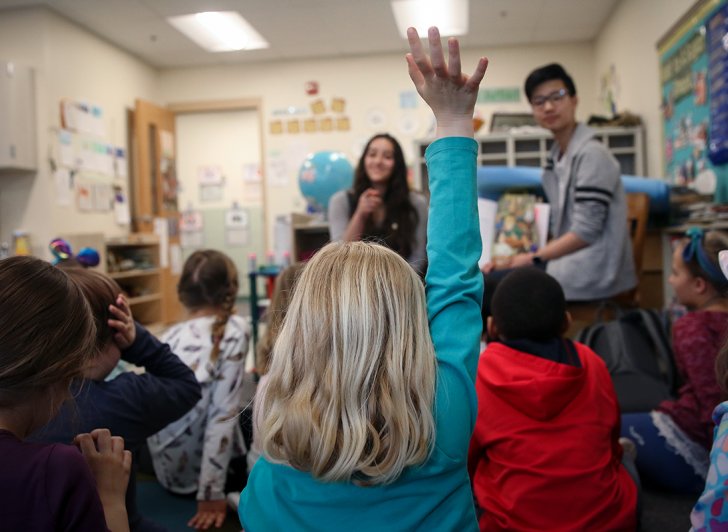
218	326
210	280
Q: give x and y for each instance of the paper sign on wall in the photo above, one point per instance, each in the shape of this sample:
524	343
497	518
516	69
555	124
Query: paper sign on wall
121	164
190	221
121	207
62	178
103	197
251	173
66	152
190	225
85	197
237	227
210	175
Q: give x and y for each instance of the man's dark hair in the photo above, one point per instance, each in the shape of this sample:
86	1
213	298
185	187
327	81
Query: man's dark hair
548	73
529	304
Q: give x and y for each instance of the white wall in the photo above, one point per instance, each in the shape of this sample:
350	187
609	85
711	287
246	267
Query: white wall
629	42
366	83
71	63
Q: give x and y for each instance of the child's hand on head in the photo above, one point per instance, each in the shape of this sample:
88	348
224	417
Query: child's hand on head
450	93
122	322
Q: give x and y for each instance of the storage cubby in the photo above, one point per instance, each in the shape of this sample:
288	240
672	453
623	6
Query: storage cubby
133	262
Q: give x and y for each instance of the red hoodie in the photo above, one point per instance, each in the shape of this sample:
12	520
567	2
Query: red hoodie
545	453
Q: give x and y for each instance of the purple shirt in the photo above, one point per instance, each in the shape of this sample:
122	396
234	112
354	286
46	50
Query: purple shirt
46	487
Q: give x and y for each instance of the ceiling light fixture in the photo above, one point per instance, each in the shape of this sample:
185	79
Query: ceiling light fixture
450	16
219	31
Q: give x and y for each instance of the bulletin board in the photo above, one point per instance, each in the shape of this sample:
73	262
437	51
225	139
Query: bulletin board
694	81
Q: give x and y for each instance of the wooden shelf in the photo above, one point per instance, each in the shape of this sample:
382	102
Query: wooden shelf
145	299
139	250
134	273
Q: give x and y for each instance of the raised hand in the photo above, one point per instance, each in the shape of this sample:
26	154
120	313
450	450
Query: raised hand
450	94
122	322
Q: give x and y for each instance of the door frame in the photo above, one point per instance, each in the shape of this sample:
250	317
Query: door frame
241	104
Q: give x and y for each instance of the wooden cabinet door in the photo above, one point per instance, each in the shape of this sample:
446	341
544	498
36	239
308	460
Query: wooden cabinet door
154	190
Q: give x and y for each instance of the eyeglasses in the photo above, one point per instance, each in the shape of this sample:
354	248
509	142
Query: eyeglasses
555	97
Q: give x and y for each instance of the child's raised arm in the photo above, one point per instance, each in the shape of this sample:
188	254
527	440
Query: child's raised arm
454	282
450	94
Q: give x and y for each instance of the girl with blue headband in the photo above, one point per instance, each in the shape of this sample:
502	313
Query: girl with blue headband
673	441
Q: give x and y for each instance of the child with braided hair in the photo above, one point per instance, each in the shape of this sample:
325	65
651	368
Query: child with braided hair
192	454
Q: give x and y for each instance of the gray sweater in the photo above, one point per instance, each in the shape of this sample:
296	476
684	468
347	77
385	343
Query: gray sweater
339	217
586	196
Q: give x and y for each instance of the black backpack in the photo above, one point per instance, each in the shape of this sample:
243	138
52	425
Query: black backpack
636	348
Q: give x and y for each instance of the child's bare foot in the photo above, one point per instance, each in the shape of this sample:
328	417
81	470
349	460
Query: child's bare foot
629	448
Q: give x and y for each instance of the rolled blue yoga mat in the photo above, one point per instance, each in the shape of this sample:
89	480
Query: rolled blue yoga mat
495	180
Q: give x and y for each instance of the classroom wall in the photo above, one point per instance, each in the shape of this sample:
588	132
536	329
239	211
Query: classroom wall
371	87
629	42
69	62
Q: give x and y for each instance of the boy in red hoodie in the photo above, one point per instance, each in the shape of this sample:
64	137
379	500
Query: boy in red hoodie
545	454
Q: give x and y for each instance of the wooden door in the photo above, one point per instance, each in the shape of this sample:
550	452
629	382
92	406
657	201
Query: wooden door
154	192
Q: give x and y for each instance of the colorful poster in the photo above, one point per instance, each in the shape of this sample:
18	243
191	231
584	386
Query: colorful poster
691	76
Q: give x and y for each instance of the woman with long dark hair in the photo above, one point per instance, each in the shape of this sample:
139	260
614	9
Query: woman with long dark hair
380	206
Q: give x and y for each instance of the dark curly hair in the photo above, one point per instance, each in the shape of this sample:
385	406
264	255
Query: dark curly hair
529	304
401	218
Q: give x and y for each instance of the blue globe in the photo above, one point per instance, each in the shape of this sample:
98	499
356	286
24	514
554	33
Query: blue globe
321	176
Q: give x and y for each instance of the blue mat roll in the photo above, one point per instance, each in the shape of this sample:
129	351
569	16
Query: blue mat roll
495	180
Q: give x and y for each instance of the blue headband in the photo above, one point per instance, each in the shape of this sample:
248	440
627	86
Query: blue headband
694	250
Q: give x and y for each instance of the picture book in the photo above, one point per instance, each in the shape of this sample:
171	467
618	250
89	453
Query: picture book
517	223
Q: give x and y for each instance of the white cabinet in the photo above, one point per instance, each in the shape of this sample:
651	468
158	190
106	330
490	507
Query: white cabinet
532	149
17	117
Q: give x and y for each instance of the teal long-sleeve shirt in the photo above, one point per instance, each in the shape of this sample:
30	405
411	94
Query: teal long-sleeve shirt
435	495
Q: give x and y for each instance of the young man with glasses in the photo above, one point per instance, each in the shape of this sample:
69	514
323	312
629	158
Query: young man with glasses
589	252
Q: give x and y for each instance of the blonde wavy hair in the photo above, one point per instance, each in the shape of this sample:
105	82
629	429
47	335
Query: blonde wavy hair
352	378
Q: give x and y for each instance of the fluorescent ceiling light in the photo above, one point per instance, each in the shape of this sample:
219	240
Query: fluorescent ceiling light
450	16
219	31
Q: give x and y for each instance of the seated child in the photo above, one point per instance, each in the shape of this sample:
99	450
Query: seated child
46	340
192	455
673	440
276	312
131	405
545	453
369	403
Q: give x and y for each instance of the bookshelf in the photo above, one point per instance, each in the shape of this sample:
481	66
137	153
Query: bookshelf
532	149
133	262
